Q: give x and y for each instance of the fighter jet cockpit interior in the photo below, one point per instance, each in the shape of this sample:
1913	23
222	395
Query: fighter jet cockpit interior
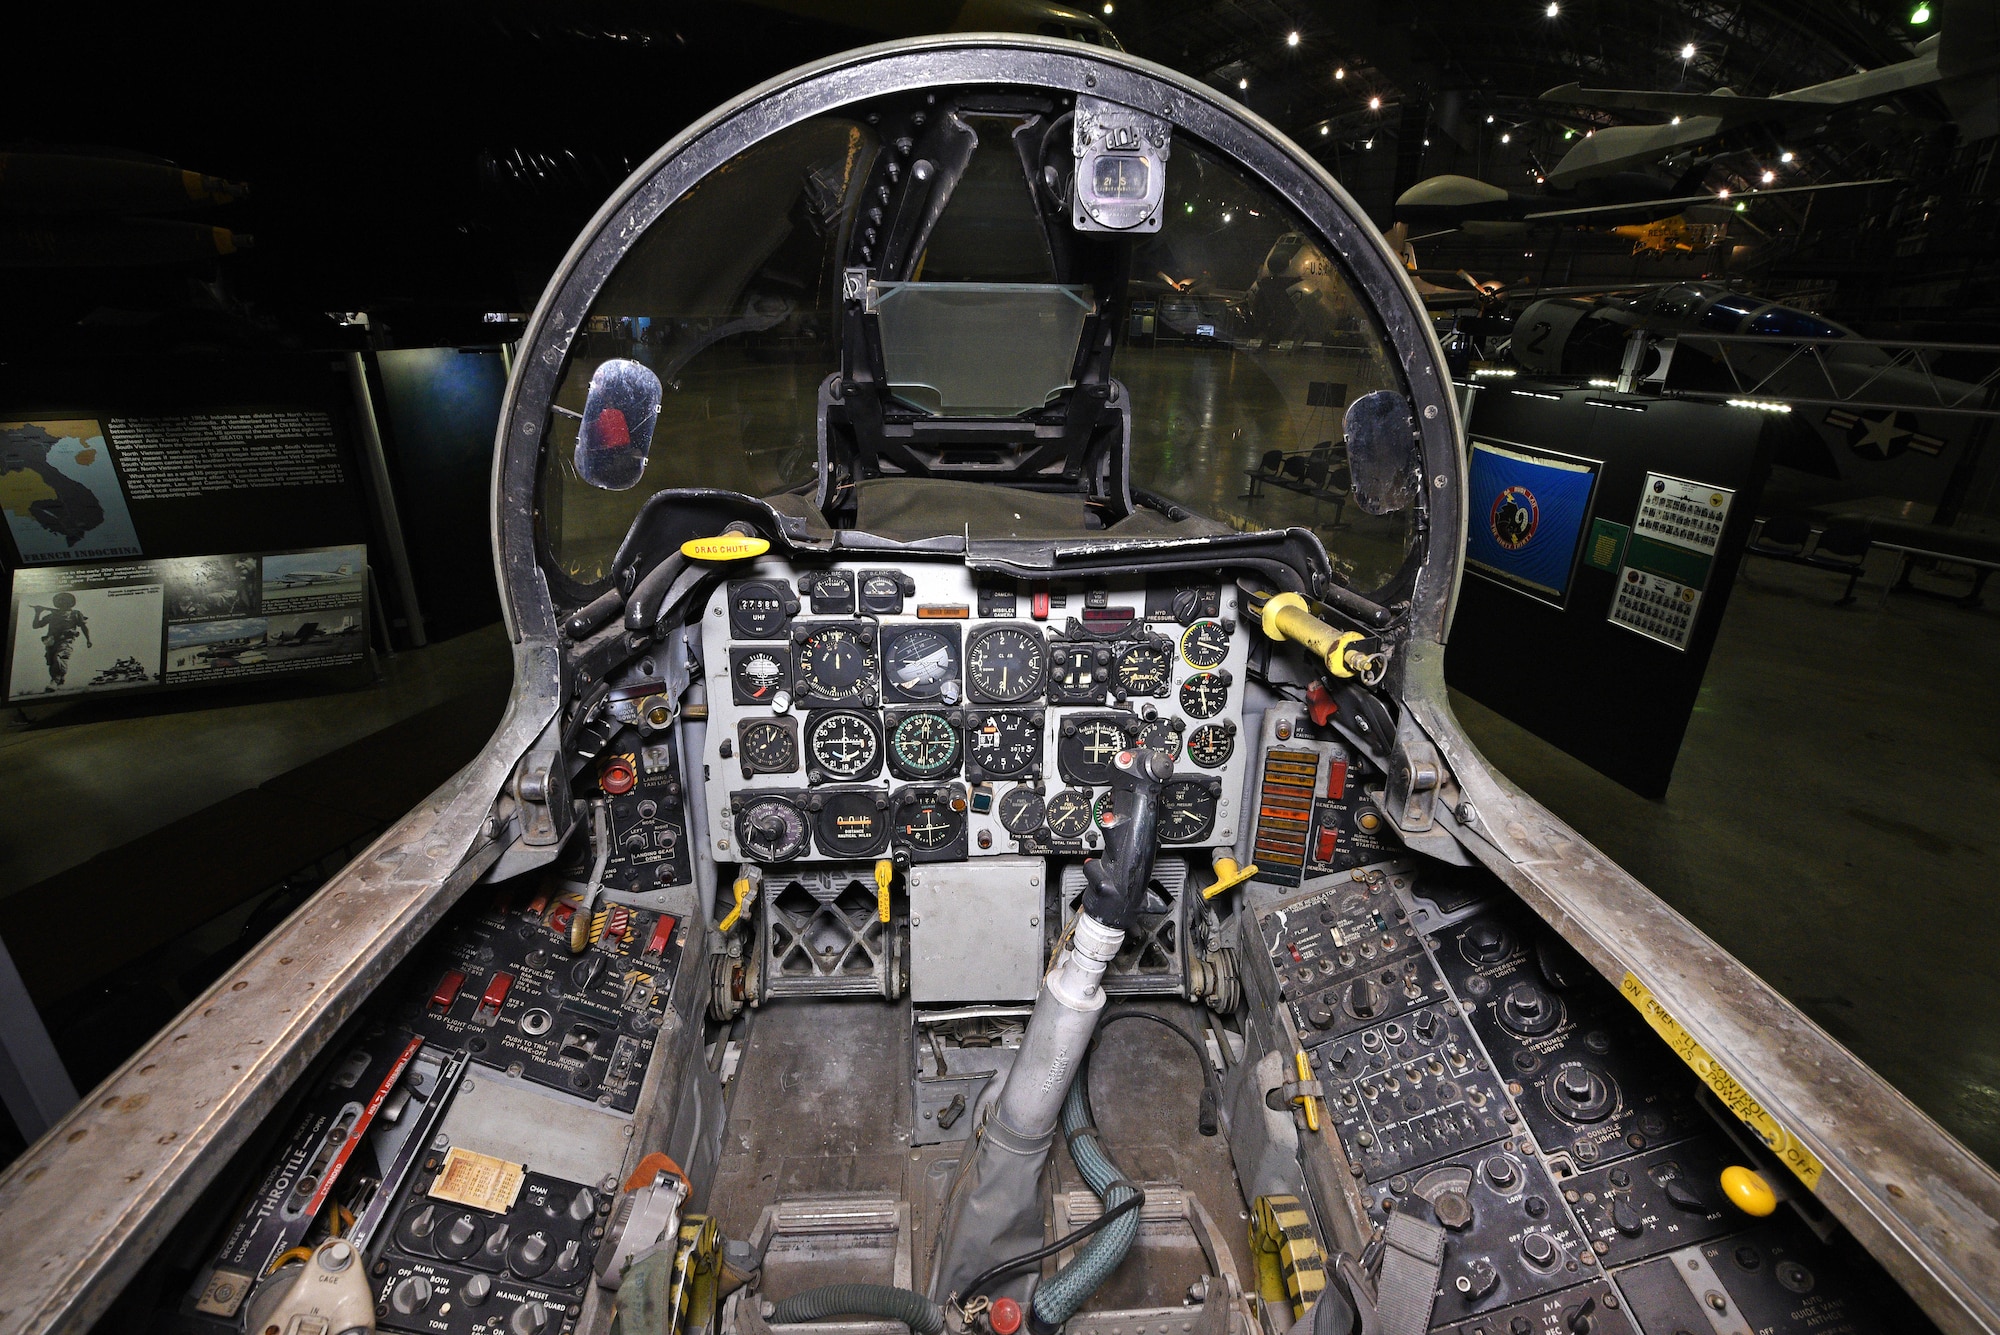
962	856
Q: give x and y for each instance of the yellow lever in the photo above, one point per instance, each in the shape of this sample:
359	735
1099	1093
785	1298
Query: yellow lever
1749	1191
745	887
1286	617
885	871
725	547
1310	1104
1227	875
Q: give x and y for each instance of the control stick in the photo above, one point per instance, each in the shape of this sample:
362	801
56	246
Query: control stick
996	1210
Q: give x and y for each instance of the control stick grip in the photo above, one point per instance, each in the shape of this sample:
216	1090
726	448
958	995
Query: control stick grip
1115	884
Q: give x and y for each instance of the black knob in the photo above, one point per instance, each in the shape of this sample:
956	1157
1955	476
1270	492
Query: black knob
1501	1172
1540	1250
1528	1010
1487	941
1453	1210
411	1295
1626	1219
476	1290
1479	1282
1364	999
1684	1197
1576	1320
1580	1094
528	1319
1319	1015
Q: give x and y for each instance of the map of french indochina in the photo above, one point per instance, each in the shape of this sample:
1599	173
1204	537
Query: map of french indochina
61	493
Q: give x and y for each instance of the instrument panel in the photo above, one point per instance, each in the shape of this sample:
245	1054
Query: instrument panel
856	712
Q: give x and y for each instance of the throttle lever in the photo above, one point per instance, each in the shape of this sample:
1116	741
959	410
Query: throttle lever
1115	884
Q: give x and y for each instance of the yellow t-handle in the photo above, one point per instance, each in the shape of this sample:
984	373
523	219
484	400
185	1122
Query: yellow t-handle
745	887
885	871
1227	875
1286	617
1310	1104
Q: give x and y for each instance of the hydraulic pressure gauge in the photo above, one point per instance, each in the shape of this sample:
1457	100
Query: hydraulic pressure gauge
758	672
1068	815
837	666
923	744
1162	734
1005	665
1212	744
1187	810
1145	668
759	608
1005	744
768	746
1204	694
920	664
1205	644
842	745
1088	747
1021	811
770	828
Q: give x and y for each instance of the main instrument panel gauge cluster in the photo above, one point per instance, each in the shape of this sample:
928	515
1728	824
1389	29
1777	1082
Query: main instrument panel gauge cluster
938	713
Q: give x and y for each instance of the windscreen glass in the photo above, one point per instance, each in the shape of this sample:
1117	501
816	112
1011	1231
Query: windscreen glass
1239	340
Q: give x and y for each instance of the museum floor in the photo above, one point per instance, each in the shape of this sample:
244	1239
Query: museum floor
1831	822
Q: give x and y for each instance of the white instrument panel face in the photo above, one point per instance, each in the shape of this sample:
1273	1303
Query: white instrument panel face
857	710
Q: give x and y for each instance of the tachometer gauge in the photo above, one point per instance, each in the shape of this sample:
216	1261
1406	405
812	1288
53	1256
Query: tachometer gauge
1005	665
1079	674
1088	747
759	608
1204	694
842	745
1021	811
1162	734
852	823
930	823
1145	668
1068	815
759	672
920	663
767	746
1205	644
1003	745
770	828
1187	810
923	744
1100	810
1212	744
837	666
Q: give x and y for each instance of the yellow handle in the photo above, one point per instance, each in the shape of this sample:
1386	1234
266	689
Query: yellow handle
746	886
1286	617
885	871
1749	1191
1227	875
1310	1103
725	547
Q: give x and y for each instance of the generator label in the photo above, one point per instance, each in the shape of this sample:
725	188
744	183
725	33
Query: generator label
1717	1077
1655	606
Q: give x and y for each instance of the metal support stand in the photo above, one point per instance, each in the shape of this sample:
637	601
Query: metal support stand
34	1084
384	497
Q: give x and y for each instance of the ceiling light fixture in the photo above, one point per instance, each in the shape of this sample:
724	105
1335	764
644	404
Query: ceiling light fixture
1340	72
1687	52
1506	138
1292	38
1785	156
1920	16
1374	104
1768	176
1326	129
1489	119
1369	144
1243	85
1552	10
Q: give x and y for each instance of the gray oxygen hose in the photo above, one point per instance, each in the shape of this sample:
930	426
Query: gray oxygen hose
914	1310
1070	1287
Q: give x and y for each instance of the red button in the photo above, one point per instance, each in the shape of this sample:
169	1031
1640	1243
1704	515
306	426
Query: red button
617	776
1038	603
1004	1316
1324	851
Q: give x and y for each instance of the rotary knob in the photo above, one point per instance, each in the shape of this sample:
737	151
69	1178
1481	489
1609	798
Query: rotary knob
1540	1250
476	1290
1626	1219
1364	999
1453	1210
1487	941
1528	1011
528	1319
1320	1015
1579	1094
411	1295
1502	1172
584	1206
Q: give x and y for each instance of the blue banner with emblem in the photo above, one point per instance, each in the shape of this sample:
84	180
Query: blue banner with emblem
1526	516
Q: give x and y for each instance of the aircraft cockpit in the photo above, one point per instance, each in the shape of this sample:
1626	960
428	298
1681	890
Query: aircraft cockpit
980	840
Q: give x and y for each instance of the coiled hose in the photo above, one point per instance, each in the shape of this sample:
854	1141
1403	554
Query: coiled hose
1058	1300
911	1308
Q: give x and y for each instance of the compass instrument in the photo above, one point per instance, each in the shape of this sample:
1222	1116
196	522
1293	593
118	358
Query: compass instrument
768	746
1005	665
1205	644
770	828
842	745
1021	811
920	664
923	744
1204	694
1212	744
837	666
1089	744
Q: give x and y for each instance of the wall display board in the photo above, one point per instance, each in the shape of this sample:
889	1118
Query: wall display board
1603	533
174	521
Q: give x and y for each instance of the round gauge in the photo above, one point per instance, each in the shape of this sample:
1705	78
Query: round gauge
1144	668
1187	810
919	663
1162	734
1006	745
929	823
1021	811
1078	673
769	746
771	829
1087	750
843	744
759	676
757	608
1204	694
924	745
1211	745
1068	815
851	824
881	593
835	665
1100	810
1006	664
1205	644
